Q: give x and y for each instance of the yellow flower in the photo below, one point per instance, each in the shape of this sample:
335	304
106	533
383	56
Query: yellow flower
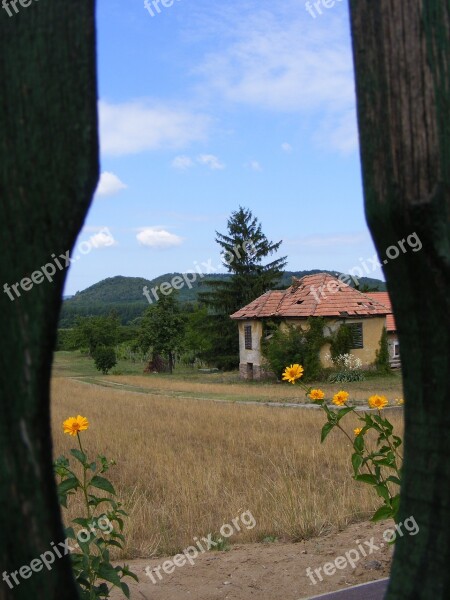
357	431
399	401
73	425
316	395
292	373
378	402
340	398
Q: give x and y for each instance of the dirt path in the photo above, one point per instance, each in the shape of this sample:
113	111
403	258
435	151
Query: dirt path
270	571
98	382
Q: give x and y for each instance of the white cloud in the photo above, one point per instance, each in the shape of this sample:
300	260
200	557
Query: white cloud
286	147
211	161
275	59
139	126
155	237
109	184
103	238
182	163
254	165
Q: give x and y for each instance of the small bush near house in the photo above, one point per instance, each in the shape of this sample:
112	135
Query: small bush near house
105	359
348	368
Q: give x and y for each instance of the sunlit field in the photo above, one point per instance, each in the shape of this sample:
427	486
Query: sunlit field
186	466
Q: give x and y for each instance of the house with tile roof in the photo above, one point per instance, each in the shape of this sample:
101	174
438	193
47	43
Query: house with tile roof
391	328
319	295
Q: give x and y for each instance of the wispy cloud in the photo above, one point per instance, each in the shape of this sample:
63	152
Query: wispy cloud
319	241
109	184
254	165
286	147
276	59
211	161
103	238
139	126
182	163
155	237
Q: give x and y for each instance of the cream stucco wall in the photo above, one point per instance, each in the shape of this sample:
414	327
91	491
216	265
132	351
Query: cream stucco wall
372	329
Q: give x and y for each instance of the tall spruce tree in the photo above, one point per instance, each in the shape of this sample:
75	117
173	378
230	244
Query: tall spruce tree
244	249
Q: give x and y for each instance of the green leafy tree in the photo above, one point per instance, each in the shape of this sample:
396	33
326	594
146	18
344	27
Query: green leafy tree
105	358
243	249
197	342
162	329
93	332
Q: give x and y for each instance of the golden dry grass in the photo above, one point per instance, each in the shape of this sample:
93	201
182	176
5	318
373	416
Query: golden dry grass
186	466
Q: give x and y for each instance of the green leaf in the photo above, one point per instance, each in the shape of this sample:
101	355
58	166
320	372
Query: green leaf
107	572
84	522
102	484
114	543
366	478
80	456
385	462
394	479
70	533
343	411
127	573
65	486
358	444
383	492
125	589
326	430
357	461
384	512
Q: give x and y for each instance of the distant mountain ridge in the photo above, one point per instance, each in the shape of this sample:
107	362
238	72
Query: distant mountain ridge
125	294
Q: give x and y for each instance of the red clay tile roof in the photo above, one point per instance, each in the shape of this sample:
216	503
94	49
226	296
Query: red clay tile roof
383	297
304	299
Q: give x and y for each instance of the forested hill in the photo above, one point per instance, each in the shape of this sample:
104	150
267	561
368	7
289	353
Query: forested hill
125	294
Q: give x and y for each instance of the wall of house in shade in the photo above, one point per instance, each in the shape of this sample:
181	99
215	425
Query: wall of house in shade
250	357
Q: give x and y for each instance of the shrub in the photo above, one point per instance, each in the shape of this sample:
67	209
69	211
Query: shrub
348	368
295	345
382	354
105	359
341	342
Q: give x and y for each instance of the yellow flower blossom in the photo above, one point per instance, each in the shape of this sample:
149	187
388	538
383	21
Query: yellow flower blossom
357	431
399	401
340	398
73	425
292	373
378	401
316	395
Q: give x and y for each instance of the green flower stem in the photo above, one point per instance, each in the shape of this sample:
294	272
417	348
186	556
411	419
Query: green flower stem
88	508
92	575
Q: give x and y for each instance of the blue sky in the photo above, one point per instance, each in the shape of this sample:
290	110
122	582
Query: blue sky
206	106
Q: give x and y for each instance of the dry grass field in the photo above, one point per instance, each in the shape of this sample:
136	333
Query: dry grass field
186	466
